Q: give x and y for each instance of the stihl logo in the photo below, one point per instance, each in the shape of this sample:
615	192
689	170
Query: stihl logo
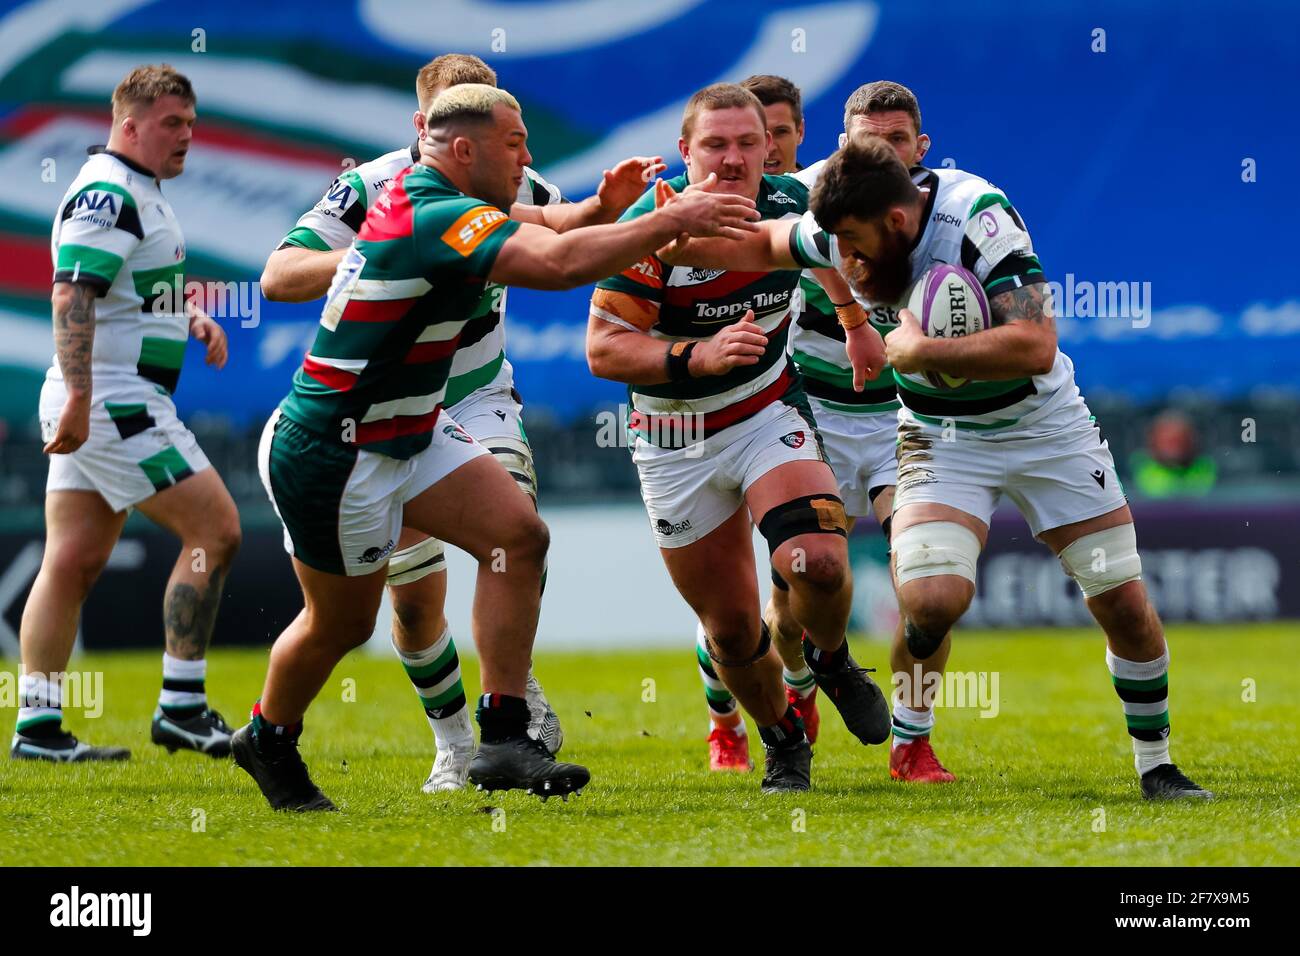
473	227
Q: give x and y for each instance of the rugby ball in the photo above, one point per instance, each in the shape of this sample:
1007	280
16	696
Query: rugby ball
949	302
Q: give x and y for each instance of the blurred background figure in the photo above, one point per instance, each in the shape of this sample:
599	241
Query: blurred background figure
1172	465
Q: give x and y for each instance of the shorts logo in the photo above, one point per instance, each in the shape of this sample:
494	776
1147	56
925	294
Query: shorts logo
499	414
1099	477
667	528
456	432
375	555
475	225
794	439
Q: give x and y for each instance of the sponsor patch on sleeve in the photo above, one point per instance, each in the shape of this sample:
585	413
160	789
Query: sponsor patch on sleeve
472	227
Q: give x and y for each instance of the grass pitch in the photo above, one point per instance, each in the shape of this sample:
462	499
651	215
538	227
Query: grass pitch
1049	780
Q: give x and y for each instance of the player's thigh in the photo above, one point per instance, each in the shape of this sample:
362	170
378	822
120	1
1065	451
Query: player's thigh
478	508
80	532
198	508
1065	478
341	609
494	417
715	575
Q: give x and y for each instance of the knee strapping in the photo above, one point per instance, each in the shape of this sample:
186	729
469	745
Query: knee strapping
417	561
933	548
810	514
1103	560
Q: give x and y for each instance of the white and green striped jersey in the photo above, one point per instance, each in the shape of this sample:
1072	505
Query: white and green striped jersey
967	222
817	343
334	221
115	232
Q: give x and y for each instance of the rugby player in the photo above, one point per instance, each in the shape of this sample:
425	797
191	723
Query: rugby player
362	446
723	434
111	429
859	429
1018	426
480	396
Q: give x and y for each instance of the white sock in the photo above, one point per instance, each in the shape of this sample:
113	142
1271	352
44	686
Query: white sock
909	724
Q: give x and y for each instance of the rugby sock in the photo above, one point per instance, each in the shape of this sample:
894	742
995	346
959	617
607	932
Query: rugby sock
1143	687
435	673
824	662
501	717
40	710
183	695
723	709
910	724
786	732
267	734
800	681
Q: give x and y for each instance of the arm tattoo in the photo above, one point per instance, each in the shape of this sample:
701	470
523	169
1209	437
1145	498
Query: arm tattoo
74	335
1028	303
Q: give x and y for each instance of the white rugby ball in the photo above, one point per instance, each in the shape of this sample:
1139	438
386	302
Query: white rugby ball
949	302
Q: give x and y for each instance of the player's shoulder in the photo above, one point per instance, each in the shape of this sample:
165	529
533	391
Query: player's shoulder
371	177
646	202
104	171
809	174
536	191
107	194
782	195
963	193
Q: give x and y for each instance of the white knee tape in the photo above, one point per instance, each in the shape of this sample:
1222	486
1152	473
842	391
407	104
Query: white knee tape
516	457
932	548
417	561
1103	560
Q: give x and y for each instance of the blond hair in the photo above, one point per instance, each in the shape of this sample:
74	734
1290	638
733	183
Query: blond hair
145	85
448	70
471	102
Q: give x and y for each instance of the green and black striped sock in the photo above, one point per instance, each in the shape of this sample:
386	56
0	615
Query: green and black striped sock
435	674
1143	688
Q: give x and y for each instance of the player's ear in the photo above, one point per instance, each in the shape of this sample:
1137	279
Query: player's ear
844	140
922	147
801	132
684	149
418	119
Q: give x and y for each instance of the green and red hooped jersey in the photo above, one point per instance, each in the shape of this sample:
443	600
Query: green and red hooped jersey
377	373
693	304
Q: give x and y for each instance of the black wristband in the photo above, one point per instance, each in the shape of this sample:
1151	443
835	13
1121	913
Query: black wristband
678	361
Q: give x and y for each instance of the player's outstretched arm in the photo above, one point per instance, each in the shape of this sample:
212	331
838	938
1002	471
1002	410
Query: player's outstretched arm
619	188
74	345
765	250
295	274
538	258
1021	343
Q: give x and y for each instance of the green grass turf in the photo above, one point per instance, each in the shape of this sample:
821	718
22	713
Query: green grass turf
1032	781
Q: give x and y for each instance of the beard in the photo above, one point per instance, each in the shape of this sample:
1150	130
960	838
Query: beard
886	277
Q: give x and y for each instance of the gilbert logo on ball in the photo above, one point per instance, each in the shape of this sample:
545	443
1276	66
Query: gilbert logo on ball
950	303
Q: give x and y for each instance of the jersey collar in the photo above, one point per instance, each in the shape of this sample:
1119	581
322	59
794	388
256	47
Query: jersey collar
924	178
124	160
415	151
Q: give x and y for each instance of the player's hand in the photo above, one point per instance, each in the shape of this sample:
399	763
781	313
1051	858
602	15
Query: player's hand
705	214
211	334
905	347
866	354
741	343
623	185
74	426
